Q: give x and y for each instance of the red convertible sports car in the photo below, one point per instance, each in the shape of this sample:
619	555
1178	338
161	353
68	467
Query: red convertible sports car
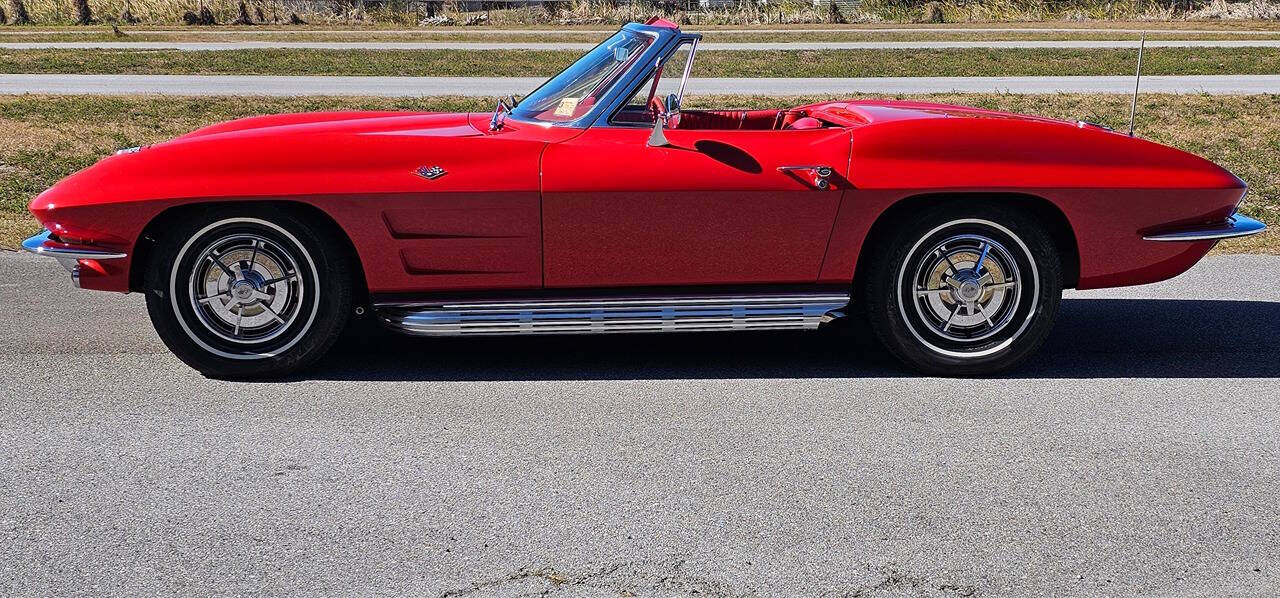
596	204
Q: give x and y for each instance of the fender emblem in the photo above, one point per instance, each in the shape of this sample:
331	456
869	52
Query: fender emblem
430	173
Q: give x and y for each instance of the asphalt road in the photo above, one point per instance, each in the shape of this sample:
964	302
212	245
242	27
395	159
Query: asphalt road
258	85
1136	454
579	46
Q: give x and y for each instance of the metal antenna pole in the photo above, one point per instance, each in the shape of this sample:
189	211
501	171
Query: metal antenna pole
1137	79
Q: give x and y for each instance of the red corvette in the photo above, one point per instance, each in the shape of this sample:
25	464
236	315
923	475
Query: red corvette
596	204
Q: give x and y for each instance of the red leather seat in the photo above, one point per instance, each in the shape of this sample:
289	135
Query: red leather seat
728	119
807	122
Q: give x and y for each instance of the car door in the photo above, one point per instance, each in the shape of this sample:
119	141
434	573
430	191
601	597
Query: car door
713	207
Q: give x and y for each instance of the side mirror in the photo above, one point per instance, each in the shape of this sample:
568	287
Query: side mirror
657	138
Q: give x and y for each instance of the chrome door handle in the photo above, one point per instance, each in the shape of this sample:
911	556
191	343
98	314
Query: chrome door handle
817	174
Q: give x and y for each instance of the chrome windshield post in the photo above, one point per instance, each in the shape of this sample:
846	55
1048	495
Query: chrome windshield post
672	103
688	66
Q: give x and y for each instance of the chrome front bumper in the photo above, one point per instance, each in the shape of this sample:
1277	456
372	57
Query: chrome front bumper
67	254
1235	226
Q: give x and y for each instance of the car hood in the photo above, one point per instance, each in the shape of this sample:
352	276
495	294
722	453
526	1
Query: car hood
327	123
318	153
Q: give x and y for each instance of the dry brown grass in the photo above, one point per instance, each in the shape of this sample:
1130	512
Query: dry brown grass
225	11
1227	11
754	34
1267	243
52	30
583	12
14	228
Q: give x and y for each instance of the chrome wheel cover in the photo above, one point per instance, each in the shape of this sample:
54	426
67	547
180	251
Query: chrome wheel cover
970	293
966	288
246	289
206	301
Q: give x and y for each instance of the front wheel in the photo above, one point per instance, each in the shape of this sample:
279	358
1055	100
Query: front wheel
964	289
252	292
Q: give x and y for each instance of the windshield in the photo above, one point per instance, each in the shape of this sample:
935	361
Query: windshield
572	93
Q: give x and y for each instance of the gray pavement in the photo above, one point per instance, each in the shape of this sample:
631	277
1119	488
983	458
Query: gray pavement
238	85
1135	455
579	46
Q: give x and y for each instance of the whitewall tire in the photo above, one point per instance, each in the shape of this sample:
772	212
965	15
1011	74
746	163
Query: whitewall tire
963	288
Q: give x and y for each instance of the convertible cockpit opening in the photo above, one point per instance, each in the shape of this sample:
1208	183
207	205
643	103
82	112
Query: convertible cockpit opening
745	120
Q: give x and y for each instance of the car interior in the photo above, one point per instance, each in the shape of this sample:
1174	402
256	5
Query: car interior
749	120
646	103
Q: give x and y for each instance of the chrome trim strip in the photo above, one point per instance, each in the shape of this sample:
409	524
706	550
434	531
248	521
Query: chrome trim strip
1235	226
609	315
688	65
67	256
36	245
1081	124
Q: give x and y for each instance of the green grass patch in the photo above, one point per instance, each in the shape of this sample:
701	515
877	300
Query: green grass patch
786	63
44	138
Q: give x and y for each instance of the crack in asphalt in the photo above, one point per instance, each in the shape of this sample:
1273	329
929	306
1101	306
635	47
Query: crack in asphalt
626	578
666	577
898	582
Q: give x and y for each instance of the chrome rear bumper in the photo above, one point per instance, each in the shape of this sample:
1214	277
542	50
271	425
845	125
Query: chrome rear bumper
1235	226
67	254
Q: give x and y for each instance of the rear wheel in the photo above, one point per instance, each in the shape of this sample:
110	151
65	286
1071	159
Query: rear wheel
248	292
964	289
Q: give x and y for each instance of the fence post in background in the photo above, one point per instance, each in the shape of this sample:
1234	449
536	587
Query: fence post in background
127	16
84	15
18	13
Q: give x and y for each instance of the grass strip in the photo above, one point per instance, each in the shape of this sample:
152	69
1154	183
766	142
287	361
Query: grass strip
782	63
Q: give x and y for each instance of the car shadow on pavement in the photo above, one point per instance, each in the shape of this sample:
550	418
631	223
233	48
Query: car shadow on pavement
1093	338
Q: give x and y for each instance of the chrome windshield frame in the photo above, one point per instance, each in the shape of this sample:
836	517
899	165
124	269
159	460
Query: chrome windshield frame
688	66
657	49
641	75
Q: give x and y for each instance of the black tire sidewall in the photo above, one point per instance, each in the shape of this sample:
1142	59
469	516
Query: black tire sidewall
1024	237
310	338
